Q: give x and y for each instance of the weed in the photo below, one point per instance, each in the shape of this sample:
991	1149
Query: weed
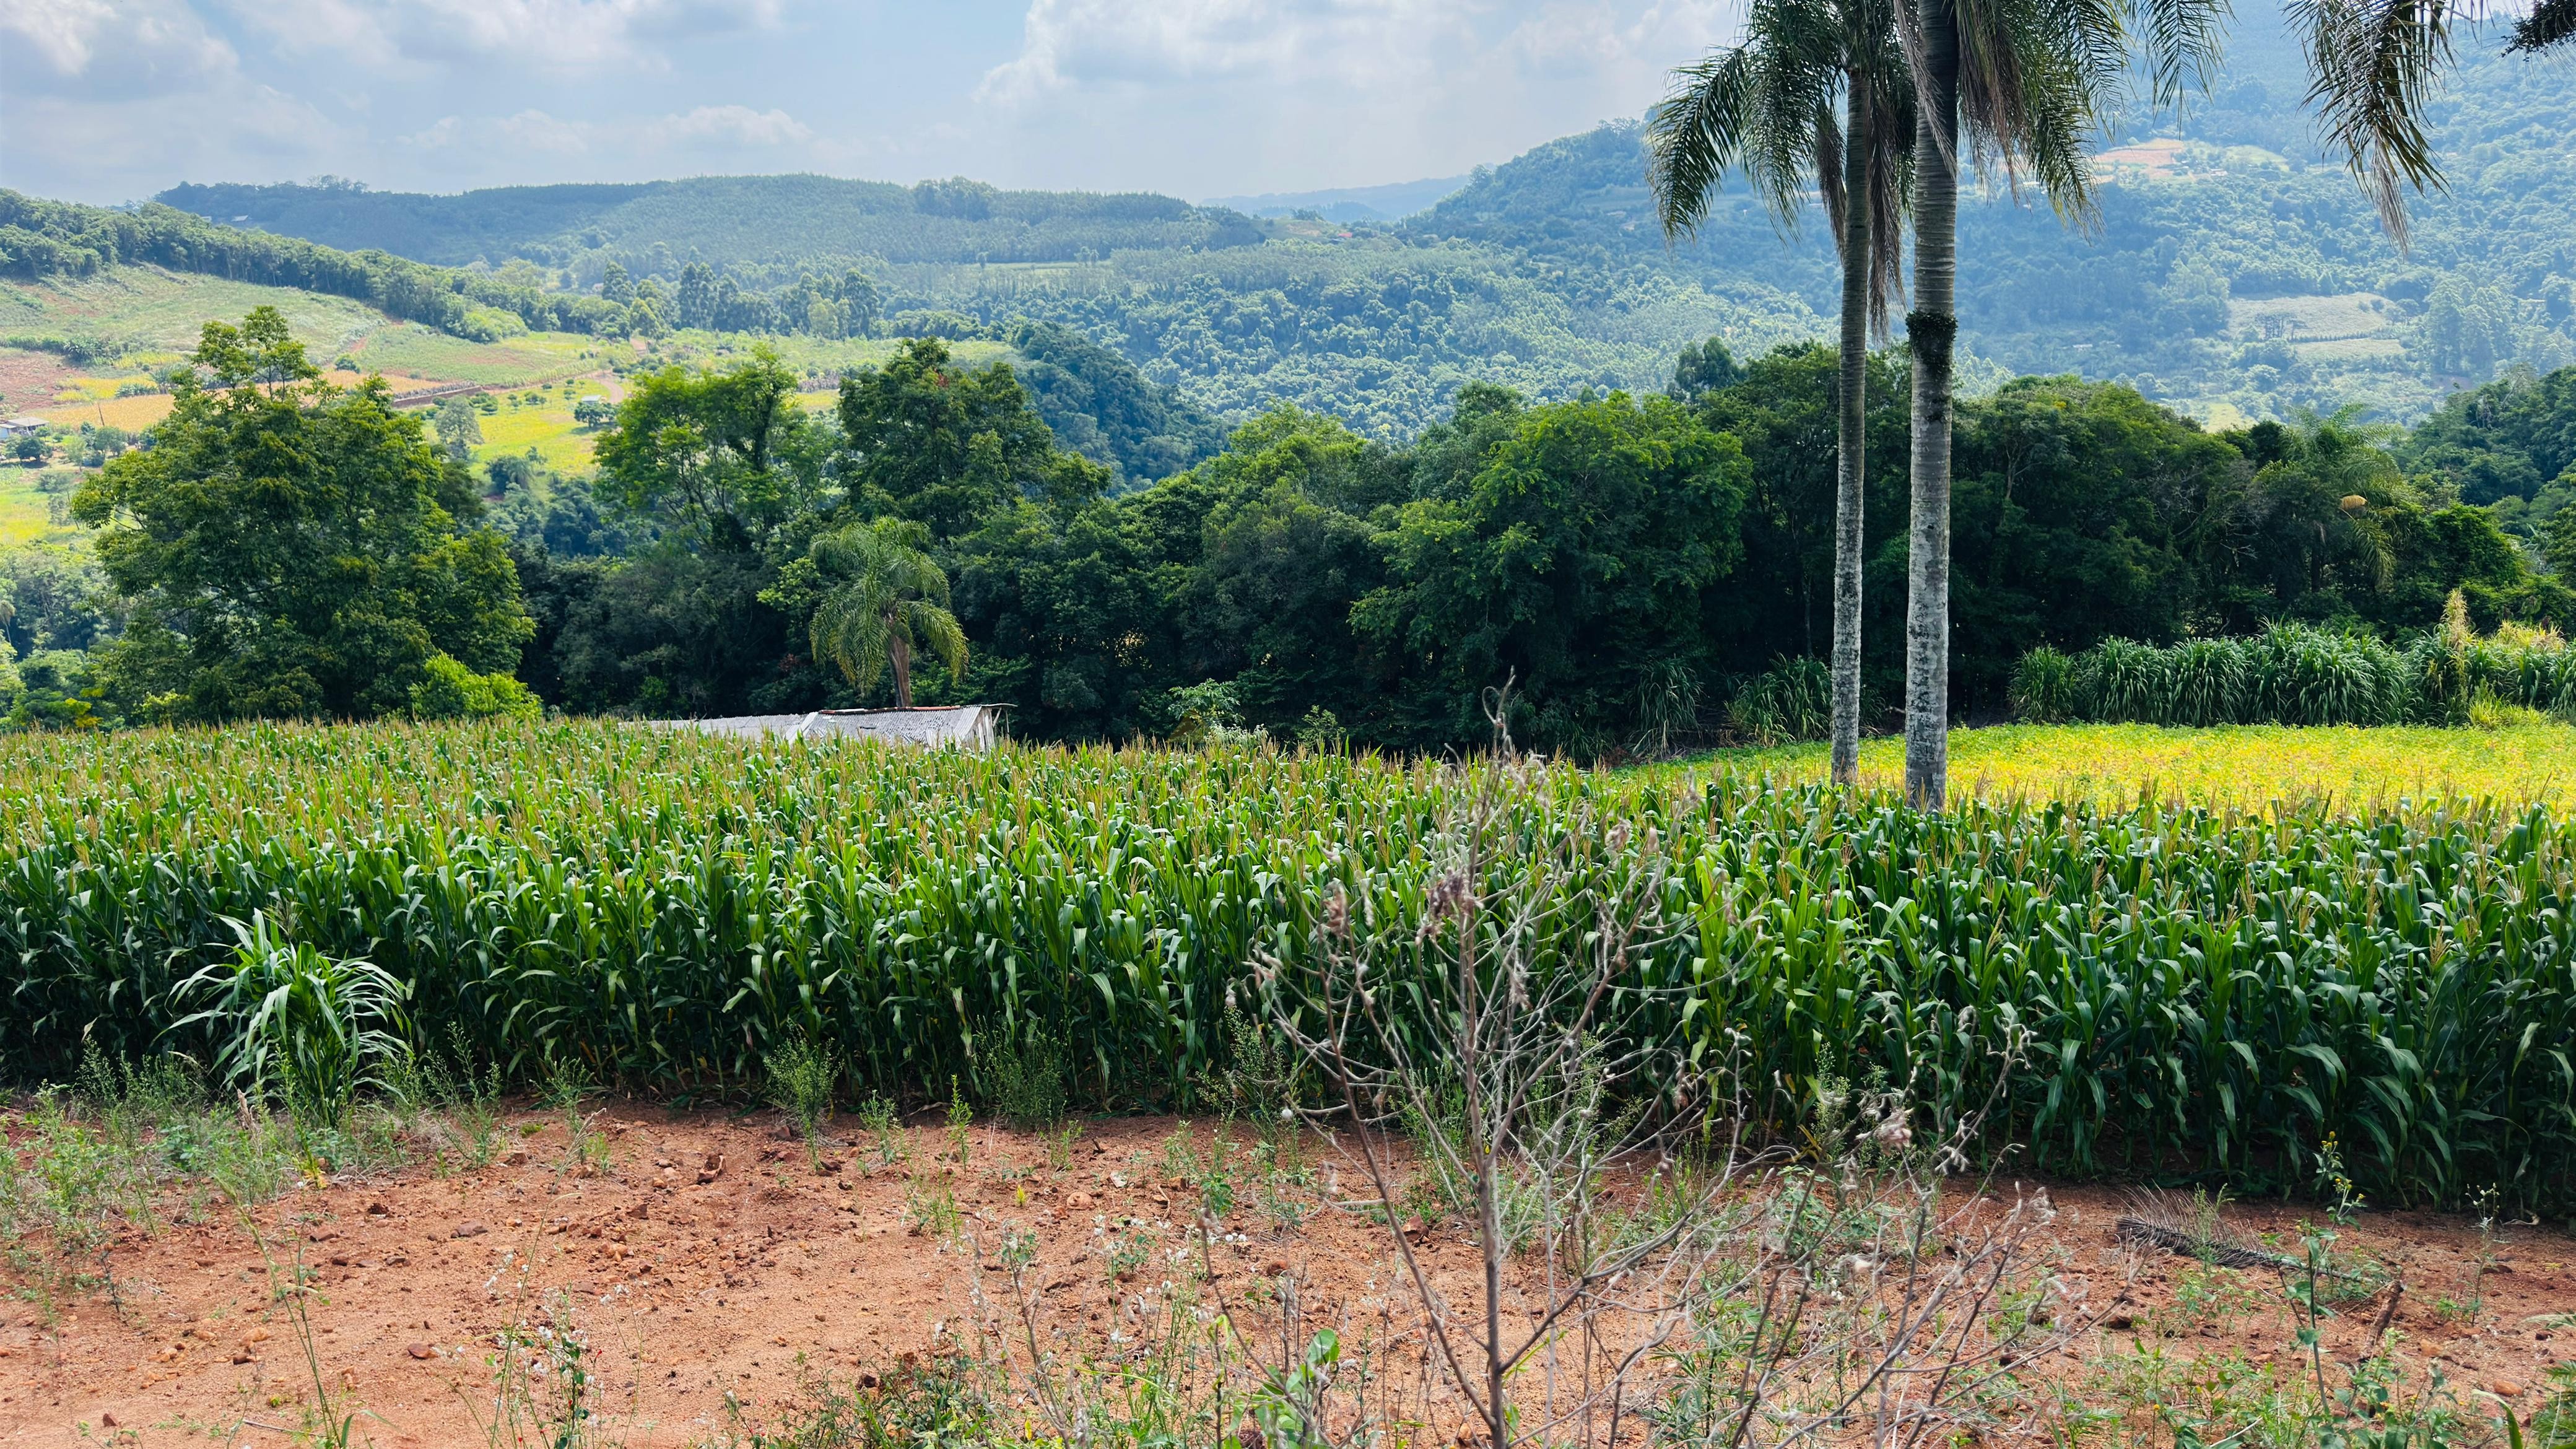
1059	1146
329	1420
586	1149
878	1115
931	1213
2332	1178
961	1121
1126	1254
542	1395
801	1075
1180	1154
57	1212
1028	1082
922	1401
1258	1081
468	1104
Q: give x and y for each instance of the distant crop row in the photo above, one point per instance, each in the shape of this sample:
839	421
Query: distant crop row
2152	991
2298	675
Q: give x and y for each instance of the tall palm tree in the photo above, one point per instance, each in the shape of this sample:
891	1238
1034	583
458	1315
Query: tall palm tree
1766	106
2030	82
891	601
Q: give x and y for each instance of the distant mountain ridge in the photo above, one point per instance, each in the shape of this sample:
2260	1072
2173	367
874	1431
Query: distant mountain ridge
2233	269
1392	202
759	220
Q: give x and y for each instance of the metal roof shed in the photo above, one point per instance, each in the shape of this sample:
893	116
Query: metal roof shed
962	726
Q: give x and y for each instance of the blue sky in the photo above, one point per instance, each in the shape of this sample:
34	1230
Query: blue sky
113	100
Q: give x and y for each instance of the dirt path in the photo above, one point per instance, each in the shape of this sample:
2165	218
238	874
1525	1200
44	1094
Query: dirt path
712	1265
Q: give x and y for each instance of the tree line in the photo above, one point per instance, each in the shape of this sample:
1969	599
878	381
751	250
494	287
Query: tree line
1647	571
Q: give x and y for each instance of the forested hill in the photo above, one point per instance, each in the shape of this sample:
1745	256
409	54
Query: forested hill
758	222
2233	271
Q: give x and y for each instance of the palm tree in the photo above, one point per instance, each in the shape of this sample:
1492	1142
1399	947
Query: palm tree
2021	73
1766	106
892	601
2031	81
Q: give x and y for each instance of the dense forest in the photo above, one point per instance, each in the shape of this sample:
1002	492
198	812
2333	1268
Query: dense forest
1648	570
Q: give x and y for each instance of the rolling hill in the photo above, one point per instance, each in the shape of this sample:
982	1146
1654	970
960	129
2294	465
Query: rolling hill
2230	271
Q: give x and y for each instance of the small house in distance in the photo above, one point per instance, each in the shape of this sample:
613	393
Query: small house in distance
964	726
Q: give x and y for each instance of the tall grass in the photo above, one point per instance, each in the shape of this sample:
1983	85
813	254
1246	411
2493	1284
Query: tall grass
2297	674
2184	989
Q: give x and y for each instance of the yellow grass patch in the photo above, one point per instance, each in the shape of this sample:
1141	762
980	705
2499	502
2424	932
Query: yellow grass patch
2245	765
563	444
133	414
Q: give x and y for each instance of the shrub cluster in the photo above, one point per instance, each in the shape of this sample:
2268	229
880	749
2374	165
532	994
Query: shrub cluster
2147	989
2298	674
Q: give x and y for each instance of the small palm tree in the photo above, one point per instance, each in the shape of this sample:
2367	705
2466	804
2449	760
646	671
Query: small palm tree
1767	106
891	600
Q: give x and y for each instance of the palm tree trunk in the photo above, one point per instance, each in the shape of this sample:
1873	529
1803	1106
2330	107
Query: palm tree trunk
1852	444
899	653
1930	329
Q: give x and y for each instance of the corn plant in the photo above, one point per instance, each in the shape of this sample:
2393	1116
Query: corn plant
294	1020
666	910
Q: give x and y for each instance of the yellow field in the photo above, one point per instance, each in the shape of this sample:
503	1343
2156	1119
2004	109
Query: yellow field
2245	765
26	514
130	413
548	427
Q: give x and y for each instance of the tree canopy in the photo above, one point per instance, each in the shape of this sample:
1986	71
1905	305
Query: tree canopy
288	548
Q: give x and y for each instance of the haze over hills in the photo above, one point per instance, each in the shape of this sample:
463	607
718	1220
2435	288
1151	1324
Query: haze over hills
2230	272
1391	202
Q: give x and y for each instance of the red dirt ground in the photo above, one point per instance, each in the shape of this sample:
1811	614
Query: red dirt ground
693	1286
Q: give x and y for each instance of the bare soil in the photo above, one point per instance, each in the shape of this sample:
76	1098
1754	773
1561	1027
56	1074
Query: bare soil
712	1265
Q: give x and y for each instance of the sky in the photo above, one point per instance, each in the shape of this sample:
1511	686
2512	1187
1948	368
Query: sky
110	101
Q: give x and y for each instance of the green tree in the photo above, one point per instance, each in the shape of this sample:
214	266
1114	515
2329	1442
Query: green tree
1582	560
288	548
945	445
457	427
722	461
861	304
1766	105
884	599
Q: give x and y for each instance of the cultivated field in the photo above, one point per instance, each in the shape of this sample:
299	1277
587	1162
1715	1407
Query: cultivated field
113	330
2142	985
403	1072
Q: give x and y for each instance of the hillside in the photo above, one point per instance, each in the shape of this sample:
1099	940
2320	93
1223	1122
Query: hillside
2231	271
92	348
758	222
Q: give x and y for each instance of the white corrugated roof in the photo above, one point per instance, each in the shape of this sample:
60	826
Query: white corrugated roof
955	724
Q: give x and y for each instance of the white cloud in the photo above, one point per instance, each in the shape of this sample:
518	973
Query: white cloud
1353	43
730	125
716	129
106	49
556	35
1324	92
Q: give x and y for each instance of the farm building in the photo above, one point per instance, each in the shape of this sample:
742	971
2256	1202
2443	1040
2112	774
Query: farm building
965	726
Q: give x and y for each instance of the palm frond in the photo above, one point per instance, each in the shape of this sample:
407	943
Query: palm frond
2551	22
2372	66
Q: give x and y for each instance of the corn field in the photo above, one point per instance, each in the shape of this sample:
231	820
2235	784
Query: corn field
2296	674
2152	991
